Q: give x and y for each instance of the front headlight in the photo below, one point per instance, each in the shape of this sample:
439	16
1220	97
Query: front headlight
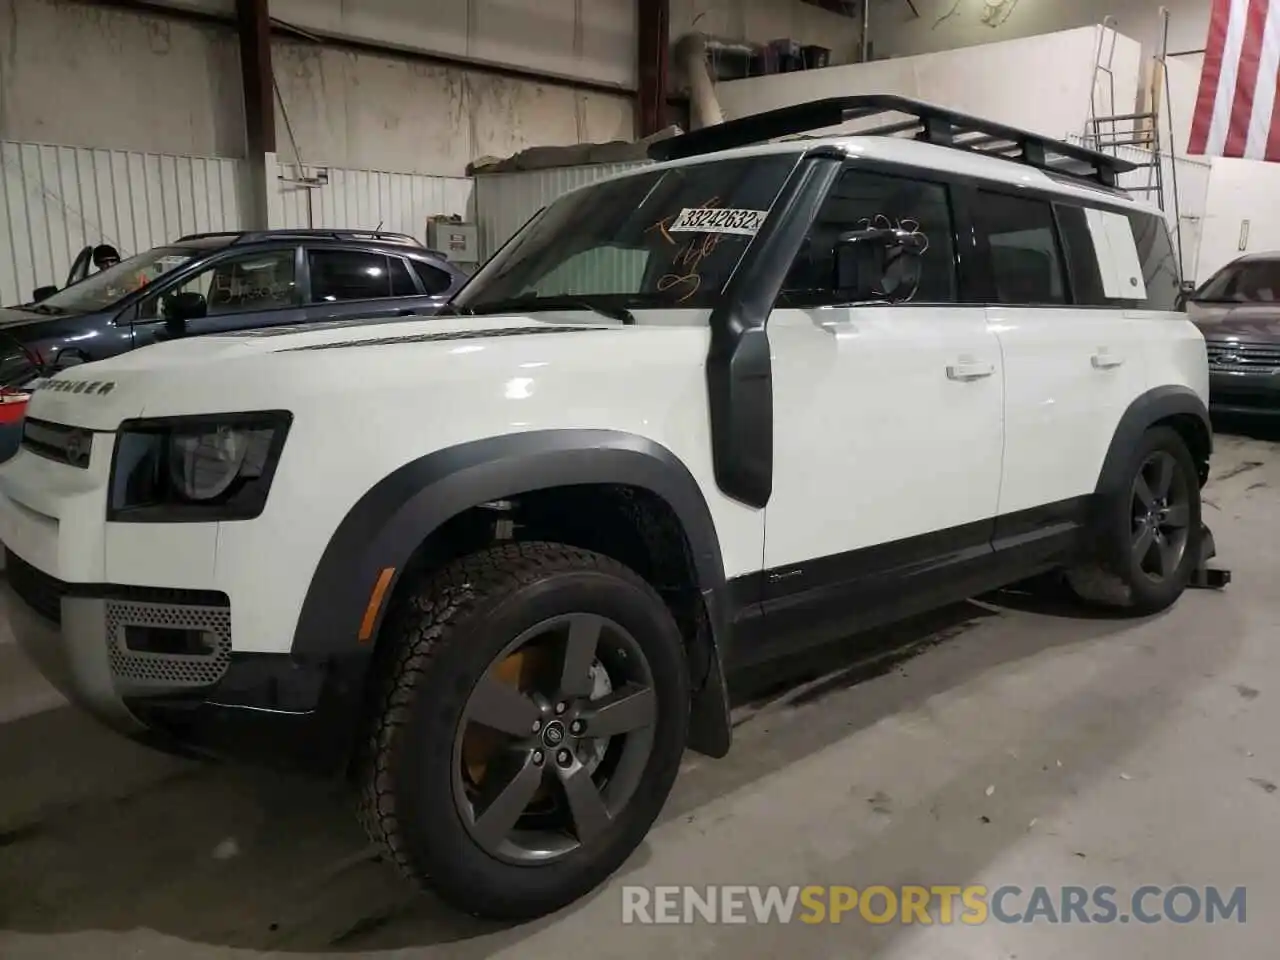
184	469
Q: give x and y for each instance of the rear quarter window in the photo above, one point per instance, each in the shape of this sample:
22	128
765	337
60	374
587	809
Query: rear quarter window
1119	259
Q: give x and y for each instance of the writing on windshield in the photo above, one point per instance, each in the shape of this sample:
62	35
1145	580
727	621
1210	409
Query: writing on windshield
659	238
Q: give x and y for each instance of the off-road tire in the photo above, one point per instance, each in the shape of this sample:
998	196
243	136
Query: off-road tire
444	635
1114	580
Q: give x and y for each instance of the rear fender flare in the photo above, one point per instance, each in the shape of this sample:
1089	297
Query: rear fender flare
1146	411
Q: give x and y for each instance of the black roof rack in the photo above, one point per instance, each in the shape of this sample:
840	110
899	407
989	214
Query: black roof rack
925	121
253	236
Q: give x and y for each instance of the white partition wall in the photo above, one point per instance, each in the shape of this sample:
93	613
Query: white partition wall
56	200
365	199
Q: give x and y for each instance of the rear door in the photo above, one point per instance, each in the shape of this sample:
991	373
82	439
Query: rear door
352	282
1073	359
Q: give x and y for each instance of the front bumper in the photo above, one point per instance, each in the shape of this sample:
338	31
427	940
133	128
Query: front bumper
211	702
1244	392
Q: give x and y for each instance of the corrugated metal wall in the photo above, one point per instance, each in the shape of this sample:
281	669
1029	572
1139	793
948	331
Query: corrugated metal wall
56	200
363	199
505	201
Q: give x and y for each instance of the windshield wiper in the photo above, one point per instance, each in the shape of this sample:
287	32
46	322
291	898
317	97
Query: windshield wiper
44	309
621	314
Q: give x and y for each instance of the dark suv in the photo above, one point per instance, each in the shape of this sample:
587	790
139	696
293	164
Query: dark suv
205	283
1238	311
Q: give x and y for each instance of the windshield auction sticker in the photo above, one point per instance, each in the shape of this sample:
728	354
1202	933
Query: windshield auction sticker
744	223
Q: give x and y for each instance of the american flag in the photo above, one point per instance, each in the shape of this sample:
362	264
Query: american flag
1237	110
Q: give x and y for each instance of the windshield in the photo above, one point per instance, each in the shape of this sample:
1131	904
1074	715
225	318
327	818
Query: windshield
1256	281
665	238
100	290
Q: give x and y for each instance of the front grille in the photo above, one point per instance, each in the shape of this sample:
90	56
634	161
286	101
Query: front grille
1243	357
55	441
202	668
41	592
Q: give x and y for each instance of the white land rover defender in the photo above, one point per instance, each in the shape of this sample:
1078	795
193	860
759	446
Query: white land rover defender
497	565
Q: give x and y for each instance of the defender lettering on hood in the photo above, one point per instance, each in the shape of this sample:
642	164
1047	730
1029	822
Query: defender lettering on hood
96	388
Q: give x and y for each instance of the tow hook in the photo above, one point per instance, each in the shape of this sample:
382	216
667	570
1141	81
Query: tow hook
1206	577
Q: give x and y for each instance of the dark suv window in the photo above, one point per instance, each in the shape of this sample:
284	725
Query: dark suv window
1026	264
861	201
348	275
262	280
434	281
402	284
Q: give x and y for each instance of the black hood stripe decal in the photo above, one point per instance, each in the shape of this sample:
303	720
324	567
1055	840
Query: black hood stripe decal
438	337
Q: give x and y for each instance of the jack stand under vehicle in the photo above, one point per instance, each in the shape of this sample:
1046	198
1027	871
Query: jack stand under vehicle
1205	577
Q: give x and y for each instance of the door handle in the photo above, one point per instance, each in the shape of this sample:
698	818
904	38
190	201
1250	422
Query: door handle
967	370
1102	360
405	313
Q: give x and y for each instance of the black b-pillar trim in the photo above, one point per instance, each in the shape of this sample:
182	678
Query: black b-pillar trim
739	368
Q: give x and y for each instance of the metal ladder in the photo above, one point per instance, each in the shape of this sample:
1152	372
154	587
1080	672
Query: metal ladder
1109	132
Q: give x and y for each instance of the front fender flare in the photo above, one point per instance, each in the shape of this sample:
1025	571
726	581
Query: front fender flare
388	524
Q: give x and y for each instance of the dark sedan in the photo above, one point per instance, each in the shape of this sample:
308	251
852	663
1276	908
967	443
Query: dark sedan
207	283
1238	311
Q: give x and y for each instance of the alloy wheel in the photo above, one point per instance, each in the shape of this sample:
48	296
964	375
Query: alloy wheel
1161	515
554	739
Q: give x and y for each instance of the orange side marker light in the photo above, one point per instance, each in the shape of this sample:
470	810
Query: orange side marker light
375	603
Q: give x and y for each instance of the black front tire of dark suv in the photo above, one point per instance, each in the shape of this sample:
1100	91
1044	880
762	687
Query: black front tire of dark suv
472	716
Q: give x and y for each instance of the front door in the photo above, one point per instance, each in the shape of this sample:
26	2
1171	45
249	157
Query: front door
241	292
888	427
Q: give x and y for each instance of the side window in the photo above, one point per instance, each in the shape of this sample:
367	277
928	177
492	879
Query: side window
1026	264
402	284
260	281
862	201
1084	265
1159	262
434	281
348	275
1119	259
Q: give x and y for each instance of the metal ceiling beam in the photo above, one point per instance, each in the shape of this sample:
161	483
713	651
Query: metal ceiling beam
253	25
653	18
285	31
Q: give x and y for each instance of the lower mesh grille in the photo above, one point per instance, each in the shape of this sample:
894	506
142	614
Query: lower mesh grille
173	669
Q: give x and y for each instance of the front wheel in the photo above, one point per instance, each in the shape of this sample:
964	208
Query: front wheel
530	728
1150	530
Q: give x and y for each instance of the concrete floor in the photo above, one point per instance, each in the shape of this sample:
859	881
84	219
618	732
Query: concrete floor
1120	753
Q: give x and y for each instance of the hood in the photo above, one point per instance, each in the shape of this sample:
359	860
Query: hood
13	317
336	334
1244	321
244	370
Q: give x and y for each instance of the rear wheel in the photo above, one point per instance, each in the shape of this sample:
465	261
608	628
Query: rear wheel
530	728
1151	530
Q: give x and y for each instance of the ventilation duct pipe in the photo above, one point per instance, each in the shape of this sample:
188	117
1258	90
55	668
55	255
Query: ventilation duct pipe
693	52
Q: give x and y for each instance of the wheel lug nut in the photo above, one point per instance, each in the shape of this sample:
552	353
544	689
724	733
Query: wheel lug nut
537	726
561	708
564	758
537	758
577	727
